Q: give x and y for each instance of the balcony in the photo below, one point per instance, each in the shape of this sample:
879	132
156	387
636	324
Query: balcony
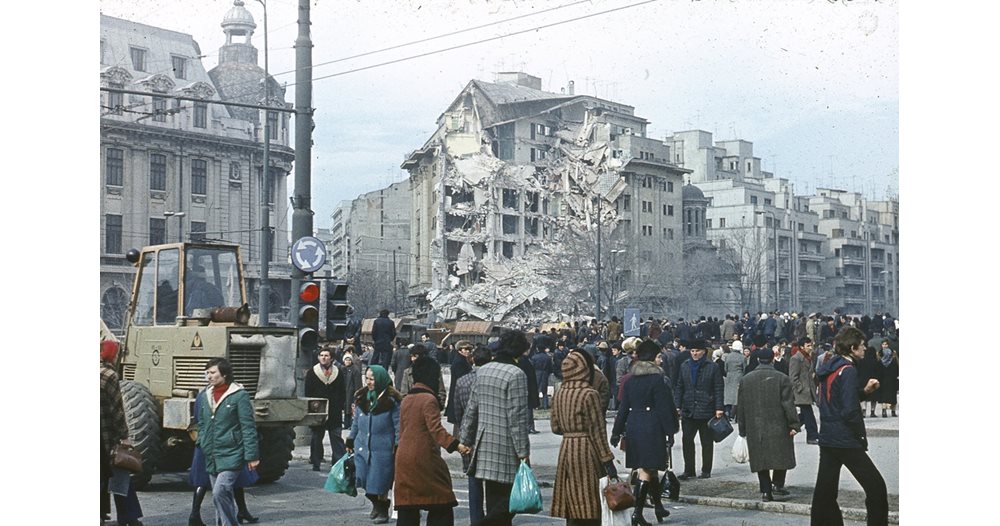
811	256
853	279
811	277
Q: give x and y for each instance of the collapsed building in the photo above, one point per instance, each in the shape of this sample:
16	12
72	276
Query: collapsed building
515	187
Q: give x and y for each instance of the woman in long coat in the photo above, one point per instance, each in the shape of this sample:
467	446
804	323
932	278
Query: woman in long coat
735	362
888	377
584	454
646	417
373	439
422	477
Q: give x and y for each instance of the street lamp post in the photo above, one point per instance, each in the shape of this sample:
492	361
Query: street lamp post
777	277
180	223
264	290
614	279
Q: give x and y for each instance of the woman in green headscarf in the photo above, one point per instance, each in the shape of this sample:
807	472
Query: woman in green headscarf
373	439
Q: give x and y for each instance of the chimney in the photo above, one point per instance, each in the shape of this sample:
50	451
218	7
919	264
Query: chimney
571	84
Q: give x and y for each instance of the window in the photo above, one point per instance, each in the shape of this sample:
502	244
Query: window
670	233
854	233
768	222
749	166
837	232
531	226
508	249
537	155
843	214
767	202
670	186
157	172
815	229
199	176
157	230
114	167
647	206
664	209
509	198
272	185
138	59
722	244
802	227
722	222
159	109
709	223
828	214
647	230
272	124
200	115
509	224
836	252
197	230
112	234
732	165
626	202
753	199
670	210
116	101
180	67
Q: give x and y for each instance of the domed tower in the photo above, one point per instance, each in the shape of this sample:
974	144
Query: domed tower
694	206
238	78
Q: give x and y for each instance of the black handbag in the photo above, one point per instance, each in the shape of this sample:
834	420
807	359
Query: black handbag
721	428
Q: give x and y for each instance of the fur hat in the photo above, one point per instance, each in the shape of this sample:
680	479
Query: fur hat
716	354
426	371
630	344
647	350
697	344
737	346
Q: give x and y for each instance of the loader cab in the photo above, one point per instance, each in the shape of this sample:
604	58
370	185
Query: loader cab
180	279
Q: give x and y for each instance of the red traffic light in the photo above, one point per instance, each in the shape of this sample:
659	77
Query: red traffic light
309	292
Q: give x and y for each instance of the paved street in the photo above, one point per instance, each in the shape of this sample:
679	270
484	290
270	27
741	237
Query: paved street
298	498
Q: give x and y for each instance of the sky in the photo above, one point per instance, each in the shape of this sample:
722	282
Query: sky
813	85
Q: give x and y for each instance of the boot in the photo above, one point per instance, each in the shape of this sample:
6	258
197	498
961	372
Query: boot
383	512
656	494
883	413
873	414
374	512
894	413
640	502
243	514
199	497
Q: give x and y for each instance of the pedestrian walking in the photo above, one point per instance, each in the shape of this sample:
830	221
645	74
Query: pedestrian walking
542	362
734	362
646	422
888	375
495	426
114	431
768	421
325	380
843	440
423	481
597	380
803	376
398	365
461	365
463	391
532	396
373	439
699	396
383	334
352	382
583	453
415	352
227	436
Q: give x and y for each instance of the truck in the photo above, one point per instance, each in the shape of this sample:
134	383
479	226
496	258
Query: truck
188	305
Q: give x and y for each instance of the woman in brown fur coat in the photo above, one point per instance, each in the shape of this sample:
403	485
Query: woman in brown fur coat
584	455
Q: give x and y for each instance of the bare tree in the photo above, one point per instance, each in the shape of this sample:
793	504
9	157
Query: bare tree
744	250
369	292
707	283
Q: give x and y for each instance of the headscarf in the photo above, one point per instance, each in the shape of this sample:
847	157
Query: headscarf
382	382
886	356
574	368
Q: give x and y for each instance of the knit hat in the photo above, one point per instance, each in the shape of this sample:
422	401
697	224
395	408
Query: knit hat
737	346
109	350
574	367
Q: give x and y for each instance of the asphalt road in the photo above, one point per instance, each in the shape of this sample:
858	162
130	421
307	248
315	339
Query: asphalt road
298	499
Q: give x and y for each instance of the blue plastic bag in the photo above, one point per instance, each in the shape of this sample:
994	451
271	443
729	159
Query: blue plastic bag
341	477
526	496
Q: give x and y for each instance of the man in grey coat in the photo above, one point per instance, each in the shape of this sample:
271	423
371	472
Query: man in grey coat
734	362
768	421
802	372
495	425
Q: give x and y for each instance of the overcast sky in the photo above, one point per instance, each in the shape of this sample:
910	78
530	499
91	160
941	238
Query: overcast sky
812	84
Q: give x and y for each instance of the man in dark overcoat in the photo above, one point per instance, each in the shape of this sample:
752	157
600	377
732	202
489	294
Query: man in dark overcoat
768	421
383	334
698	393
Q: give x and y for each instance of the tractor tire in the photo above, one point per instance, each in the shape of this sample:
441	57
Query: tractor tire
142	414
276	445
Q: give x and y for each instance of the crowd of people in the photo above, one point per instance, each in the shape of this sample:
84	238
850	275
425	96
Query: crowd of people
765	373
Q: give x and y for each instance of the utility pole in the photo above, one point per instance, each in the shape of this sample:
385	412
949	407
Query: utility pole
302	224
264	288
598	314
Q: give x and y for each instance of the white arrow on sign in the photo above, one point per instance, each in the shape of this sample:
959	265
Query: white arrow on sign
308	246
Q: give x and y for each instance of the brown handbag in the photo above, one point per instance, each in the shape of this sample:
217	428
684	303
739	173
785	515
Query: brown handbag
618	495
126	457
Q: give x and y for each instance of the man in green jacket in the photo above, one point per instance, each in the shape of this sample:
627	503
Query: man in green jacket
227	435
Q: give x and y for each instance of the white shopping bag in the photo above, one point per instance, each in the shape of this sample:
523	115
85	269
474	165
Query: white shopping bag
393	514
612	518
740	453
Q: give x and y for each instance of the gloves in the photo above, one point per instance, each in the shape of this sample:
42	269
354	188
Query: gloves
614	440
609	466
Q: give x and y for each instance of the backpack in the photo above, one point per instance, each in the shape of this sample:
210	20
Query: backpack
828	384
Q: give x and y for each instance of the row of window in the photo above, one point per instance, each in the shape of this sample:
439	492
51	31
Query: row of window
115	173
157	232
140	63
648	181
647	230
116	106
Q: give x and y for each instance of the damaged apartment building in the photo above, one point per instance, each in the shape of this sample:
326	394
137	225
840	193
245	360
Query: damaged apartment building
511	191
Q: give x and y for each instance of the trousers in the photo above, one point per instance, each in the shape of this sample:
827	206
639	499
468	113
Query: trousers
337	446
223	499
690	427
825	510
765	479
436	516
808	420
476	497
497	504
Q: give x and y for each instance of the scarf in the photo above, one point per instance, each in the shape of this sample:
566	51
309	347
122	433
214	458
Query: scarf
218	391
886	357
695	365
382	381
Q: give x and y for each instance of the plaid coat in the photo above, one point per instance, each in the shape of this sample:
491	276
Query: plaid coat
113	426
495	423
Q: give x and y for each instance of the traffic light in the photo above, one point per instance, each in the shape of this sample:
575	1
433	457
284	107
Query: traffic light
308	317
336	309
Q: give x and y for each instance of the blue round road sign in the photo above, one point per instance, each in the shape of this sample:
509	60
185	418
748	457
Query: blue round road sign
308	254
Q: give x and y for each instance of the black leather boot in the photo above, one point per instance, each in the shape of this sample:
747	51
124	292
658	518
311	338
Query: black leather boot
656	494
199	497
243	514
640	503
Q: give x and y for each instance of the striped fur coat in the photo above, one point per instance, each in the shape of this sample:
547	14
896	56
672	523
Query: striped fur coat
578	417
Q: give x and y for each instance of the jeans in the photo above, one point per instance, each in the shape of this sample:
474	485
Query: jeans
476	497
825	510
690	426
336	443
436	516
543	388
808	419
222	497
